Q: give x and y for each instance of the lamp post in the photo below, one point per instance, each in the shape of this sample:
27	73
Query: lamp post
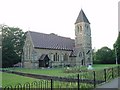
116	54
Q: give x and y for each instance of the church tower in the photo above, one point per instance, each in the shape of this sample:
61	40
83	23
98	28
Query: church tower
83	40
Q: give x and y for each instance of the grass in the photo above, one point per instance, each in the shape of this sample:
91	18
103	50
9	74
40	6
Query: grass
52	71
103	66
0	79
60	71
12	79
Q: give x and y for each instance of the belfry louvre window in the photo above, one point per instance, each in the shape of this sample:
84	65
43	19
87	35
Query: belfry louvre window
80	29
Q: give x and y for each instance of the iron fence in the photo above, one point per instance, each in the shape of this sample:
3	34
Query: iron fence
85	80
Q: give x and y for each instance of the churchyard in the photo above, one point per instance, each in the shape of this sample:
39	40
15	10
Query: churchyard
97	74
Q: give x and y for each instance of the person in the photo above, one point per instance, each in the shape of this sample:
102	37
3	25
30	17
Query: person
90	67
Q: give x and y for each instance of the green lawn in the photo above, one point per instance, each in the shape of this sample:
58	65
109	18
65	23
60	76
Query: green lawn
0	79
59	71
52	72
103	66
12	79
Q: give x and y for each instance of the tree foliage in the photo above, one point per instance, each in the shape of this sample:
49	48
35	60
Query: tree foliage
104	56
12	44
117	47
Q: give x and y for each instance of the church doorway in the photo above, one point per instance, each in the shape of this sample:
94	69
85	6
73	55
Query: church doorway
82	62
44	61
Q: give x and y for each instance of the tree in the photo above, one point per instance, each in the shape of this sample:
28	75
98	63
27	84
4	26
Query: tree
12	44
117	47
105	56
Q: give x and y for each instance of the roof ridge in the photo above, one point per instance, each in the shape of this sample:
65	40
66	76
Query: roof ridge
51	34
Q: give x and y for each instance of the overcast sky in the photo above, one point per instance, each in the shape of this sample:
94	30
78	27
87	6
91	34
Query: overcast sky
59	16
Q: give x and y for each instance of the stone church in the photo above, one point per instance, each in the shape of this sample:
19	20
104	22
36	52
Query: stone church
51	50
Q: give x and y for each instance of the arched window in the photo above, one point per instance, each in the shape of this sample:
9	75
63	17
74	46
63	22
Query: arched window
80	54
62	57
65	57
27	51
80	29
54	58
58	58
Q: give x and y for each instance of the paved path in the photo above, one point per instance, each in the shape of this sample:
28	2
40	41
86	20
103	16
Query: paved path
115	83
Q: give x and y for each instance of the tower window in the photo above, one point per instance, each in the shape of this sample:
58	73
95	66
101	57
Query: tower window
80	28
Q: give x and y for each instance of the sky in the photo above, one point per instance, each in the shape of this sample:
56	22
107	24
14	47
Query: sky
59	16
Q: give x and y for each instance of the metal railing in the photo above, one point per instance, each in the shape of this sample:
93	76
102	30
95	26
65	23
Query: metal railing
85	80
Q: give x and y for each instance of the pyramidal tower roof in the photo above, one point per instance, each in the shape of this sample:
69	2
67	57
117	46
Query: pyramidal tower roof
82	17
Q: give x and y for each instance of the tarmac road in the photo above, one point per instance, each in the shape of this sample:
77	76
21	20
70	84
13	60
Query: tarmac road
112	85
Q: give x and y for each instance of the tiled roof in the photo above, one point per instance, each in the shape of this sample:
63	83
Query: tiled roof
51	41
82	17
75	52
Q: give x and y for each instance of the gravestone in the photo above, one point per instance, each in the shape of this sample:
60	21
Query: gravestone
90	67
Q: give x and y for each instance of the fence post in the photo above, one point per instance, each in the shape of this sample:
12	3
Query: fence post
118	71
105	74
78	82
94	79
112	73
51	84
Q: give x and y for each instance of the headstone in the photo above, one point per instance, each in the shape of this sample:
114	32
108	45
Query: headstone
90	67
68	68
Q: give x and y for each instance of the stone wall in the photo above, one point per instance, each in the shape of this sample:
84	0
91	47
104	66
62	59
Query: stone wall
60	53
83	43
27	53
32	55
